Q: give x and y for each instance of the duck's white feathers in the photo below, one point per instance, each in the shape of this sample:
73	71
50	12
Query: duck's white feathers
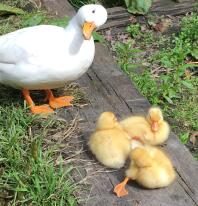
44	57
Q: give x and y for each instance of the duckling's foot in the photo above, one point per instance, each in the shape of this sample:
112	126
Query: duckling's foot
60	101
120	189
43	109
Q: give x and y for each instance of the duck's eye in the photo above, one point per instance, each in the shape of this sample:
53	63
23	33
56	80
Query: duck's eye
93	11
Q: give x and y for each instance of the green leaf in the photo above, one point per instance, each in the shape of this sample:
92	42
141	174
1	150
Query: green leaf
165	78
34	150
138	6
63	22
187	84
172	94
182	68
184	137
71	201
21	189
5	9
134	30
134	50
3	159
169	100
33	20
98	38
194	53
133	66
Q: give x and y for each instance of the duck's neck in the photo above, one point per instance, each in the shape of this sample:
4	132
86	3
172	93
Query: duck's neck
75	33
74	28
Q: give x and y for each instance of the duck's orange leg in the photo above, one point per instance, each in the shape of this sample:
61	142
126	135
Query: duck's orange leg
45	109
120	189
58	102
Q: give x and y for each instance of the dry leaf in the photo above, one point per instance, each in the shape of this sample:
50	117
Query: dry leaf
133	20
137	203
143	28
108	35
37	3
193	138
162	25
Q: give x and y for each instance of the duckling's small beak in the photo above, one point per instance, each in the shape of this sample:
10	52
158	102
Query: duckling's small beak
154	126
88	28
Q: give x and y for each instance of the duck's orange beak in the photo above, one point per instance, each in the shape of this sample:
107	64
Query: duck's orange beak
154	126
88	28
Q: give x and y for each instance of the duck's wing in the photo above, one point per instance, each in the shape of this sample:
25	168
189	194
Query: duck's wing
25	43
10	53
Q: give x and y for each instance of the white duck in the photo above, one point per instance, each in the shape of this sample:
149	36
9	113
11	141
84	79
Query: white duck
46	57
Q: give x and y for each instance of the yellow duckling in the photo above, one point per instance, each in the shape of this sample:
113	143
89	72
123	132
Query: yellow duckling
152	130
109	143
150	167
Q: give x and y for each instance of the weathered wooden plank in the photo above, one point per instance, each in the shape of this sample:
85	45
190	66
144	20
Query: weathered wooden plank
118	15
116	23
185	166
153	198
117	9
169	7
112	77
108	88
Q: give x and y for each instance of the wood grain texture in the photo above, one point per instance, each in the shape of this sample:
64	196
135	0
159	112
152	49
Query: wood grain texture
108	89
170	7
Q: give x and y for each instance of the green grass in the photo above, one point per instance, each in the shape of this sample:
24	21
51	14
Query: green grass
169	81
12	23
16	3
28	175
183	45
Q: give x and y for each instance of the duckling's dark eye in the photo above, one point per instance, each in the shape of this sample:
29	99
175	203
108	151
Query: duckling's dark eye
93	11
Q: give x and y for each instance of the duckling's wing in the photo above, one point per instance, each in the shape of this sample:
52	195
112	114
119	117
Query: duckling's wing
141	157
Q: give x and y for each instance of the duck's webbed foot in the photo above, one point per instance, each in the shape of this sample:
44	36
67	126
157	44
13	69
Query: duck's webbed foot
42	109
58	102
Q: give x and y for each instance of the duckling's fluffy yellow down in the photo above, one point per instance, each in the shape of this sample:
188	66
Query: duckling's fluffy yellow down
109	143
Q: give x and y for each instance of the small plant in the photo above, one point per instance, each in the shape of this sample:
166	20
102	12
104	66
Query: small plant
183	45
146	37
147	85
134	30
126	54
138	6
16	3
184	137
